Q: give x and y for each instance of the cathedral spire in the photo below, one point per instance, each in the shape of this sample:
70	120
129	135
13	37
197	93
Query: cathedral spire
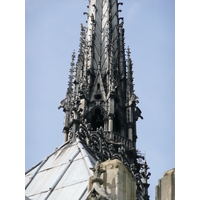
103	110
101	113
103	81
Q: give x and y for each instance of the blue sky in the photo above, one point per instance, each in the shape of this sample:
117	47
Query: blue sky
52	33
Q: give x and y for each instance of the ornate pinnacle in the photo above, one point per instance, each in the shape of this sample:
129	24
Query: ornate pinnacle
82	40
129	73
145	177
71	76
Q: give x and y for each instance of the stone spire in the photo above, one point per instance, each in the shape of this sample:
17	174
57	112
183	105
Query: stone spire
103	85
103	110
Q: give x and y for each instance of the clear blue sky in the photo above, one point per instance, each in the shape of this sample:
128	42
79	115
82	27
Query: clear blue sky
52	33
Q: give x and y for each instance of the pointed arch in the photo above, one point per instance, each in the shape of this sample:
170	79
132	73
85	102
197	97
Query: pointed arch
96	117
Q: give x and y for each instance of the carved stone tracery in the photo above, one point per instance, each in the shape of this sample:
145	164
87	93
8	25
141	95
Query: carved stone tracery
106	146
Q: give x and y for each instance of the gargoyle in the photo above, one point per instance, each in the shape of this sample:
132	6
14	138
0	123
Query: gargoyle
63	104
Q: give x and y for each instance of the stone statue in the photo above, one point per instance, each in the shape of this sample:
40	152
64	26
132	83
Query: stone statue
97	192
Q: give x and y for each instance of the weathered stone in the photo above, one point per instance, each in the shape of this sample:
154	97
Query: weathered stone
117	181
165	190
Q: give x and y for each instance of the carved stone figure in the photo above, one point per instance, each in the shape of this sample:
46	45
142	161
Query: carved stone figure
97	192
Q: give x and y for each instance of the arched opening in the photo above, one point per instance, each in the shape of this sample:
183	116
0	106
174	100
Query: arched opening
97	119
116	124
98	86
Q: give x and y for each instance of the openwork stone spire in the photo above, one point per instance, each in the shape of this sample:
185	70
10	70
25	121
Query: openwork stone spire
101	106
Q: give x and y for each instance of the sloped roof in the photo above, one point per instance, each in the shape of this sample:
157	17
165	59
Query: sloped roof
62	175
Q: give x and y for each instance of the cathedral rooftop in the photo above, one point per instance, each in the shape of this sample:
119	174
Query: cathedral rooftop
101	112
61	175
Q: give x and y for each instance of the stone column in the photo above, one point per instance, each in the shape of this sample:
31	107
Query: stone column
130	131
110	123
65	131
106	124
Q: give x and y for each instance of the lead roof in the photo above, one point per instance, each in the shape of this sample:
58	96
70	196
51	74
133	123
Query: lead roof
61	175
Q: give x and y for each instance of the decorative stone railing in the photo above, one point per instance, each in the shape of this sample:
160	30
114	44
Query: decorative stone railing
112	136
106	145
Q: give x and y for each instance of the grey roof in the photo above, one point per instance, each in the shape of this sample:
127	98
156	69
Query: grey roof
62	175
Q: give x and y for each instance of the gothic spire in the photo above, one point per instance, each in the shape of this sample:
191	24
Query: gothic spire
103	104
102	26
103	78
